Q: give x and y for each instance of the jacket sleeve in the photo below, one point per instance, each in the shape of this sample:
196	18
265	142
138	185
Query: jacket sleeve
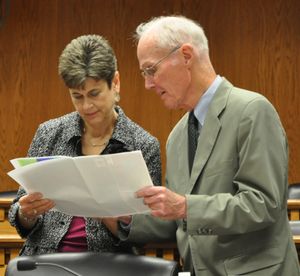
13	217
13	211
151	154
145	229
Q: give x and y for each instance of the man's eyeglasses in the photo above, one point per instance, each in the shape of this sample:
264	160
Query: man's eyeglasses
151	70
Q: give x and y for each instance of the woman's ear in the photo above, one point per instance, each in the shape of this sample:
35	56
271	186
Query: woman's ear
116	86
116	82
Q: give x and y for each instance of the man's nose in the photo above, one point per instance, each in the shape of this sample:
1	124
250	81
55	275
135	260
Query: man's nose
149	83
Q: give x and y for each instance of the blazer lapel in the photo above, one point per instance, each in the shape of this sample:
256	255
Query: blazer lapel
206	143
182	156
209	132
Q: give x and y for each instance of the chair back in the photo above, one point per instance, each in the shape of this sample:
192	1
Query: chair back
295	227
90	263
294	191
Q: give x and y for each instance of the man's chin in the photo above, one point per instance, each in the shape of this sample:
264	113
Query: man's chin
170	105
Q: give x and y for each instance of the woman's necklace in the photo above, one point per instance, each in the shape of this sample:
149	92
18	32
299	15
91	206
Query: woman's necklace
103	144
95	144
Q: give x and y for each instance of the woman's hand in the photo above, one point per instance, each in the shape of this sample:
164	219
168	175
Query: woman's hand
31	206
125	219
110	223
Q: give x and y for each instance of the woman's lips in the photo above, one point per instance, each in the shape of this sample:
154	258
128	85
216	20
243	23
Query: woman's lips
89	115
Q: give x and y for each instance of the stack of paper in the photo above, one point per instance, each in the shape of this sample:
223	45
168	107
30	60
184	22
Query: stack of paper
90	186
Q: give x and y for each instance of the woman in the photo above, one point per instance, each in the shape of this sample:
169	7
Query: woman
88	67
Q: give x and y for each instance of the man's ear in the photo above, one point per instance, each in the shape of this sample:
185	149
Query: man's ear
188	52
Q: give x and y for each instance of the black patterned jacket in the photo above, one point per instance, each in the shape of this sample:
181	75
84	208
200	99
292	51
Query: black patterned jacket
62	136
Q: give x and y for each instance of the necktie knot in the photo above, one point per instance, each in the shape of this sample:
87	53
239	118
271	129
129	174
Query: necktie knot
193	120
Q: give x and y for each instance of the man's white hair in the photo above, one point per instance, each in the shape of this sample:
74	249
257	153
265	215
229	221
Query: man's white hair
171	31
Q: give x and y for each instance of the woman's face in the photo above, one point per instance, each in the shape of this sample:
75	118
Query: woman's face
95	101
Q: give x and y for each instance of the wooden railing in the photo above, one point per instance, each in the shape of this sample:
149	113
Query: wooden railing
166	251
294	214
10	241
294	209
10	245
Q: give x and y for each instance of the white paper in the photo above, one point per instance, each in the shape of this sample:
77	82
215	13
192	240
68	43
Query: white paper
90	186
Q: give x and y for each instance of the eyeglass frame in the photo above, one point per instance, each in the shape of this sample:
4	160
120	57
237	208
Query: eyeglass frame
151	70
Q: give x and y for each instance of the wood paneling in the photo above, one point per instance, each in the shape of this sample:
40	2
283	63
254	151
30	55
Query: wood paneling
254	44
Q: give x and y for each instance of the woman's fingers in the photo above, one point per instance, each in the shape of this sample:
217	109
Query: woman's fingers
34	204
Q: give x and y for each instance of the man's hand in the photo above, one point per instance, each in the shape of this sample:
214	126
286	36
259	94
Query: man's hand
163	202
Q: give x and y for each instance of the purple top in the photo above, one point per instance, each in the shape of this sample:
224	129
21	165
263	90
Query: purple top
75	238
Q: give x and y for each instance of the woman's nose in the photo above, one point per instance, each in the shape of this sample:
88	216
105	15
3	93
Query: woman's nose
87	104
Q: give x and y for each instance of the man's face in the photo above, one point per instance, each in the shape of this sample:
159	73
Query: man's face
165	72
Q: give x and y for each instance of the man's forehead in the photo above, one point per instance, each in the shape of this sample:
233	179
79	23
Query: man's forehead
148	48
146	43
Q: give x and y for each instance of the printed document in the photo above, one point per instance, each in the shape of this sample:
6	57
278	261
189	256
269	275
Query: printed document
89	186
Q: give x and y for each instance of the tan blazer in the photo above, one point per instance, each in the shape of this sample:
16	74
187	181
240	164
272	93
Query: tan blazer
236	196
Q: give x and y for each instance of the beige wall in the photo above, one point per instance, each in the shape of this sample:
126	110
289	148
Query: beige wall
253	43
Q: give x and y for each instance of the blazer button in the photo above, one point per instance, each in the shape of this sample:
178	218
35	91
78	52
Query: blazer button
184	225
205	231
200	231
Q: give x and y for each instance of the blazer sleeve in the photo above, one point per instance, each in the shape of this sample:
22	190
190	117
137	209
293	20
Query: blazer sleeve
151	154
13	211
145	229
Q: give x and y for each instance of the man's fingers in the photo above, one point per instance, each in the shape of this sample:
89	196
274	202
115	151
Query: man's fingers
149	191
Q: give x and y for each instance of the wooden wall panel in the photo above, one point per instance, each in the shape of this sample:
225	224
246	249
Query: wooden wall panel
254	44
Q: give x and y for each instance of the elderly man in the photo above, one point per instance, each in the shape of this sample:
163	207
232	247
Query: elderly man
227	163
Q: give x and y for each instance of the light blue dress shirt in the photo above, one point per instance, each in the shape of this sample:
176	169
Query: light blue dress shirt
201	108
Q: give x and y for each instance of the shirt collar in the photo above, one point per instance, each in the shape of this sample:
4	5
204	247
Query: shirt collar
201	108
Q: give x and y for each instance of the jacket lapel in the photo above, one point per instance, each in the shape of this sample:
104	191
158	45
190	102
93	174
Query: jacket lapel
209	132
182	174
